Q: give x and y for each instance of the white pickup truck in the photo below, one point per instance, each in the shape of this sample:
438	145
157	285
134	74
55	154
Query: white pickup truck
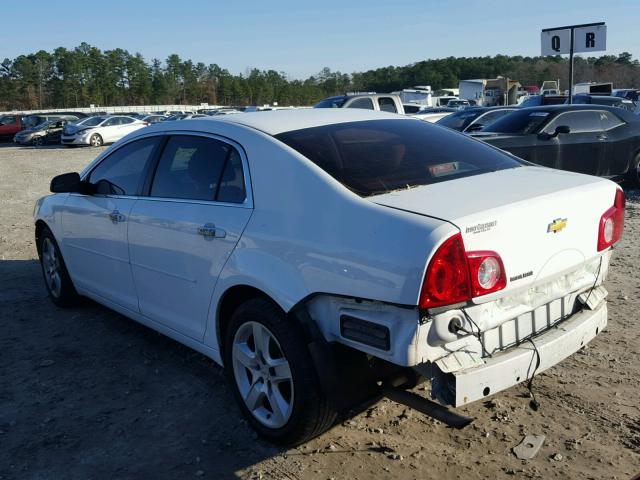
296	247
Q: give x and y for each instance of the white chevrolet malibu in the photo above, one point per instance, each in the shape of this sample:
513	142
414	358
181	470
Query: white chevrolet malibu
298	247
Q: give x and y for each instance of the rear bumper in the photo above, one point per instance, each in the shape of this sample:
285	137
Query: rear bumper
517	364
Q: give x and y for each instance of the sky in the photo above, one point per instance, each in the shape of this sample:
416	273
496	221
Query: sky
301	37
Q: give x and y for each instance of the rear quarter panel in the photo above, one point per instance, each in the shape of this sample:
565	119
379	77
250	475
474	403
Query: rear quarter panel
308	234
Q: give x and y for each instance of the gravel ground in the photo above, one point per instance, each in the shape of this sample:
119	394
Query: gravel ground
86	393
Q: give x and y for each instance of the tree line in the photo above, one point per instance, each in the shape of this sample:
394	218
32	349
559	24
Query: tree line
68	78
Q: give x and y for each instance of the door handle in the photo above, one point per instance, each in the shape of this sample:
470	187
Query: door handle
209	230
116	216
602	137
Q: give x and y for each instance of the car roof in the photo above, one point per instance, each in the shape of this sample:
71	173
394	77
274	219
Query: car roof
621	112
279	121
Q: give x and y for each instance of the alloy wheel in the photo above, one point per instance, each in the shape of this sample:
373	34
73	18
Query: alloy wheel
262	374
51	267
96	140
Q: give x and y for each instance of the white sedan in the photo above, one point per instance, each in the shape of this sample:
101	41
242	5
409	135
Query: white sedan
299	247
97	131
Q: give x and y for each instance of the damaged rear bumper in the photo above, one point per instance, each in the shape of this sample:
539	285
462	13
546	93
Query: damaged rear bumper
517	364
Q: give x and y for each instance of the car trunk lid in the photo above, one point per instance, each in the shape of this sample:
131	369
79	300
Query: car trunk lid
542	222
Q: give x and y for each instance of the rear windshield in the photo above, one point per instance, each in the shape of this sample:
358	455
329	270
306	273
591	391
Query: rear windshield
378	156
519	122
460	120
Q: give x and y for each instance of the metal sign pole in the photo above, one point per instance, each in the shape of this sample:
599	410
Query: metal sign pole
571	69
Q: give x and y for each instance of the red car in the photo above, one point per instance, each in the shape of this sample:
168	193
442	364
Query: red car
12	124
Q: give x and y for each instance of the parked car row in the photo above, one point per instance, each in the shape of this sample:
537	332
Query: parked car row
95	131
11	124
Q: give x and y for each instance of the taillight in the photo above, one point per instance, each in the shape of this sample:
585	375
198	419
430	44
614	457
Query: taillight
487	273
456	276
447	277
612	222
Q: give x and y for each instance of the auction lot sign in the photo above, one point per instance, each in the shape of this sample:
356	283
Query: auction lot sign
585	38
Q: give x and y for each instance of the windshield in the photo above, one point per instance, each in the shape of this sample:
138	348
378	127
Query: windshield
92	121
378	156
459	120
519	122
331	102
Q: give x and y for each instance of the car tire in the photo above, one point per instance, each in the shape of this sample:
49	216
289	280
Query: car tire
633	175
37	142
273	378
96	140
56	277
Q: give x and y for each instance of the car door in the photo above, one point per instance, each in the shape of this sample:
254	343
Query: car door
620	144
581	150
183	232
54	132
109	129
94	239
128	125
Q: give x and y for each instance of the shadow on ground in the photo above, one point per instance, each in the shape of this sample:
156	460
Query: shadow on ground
87	393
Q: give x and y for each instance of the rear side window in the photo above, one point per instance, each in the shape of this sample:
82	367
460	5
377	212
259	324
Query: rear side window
387	104
231	188
578	122
121	173
192	168
364	103
379	156
609	120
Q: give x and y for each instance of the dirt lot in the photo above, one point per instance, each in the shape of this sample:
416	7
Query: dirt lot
86	393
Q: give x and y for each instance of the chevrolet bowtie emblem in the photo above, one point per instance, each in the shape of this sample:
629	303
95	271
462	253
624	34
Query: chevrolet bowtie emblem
557	225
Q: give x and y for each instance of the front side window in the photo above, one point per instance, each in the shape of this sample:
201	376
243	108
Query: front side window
364	103
578	122
121	173
387	104
191	168
378	156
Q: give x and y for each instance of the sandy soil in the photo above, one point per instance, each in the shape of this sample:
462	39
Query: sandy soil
86	393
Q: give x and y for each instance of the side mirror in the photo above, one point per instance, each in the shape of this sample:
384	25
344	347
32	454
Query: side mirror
559	129
67	183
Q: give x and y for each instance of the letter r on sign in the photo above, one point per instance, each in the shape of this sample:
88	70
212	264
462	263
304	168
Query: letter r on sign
590	40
